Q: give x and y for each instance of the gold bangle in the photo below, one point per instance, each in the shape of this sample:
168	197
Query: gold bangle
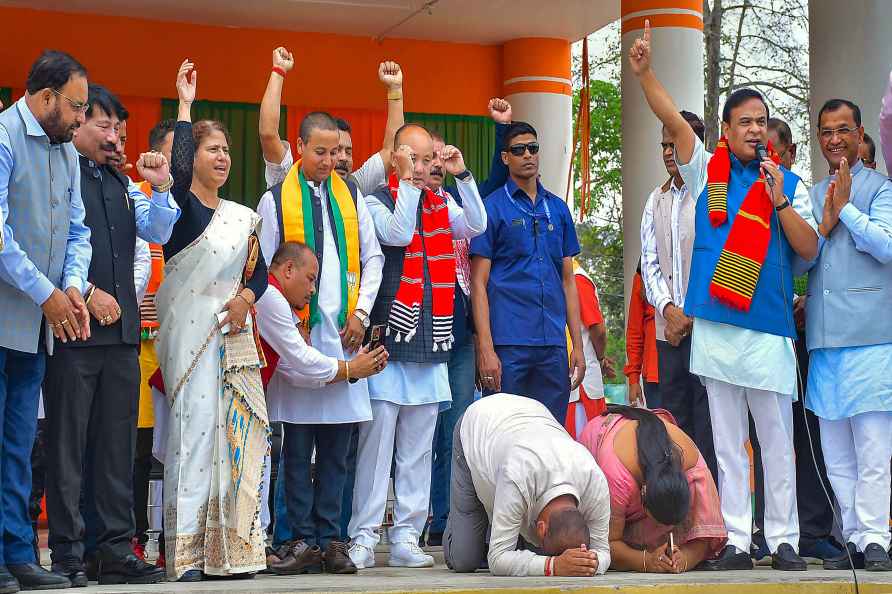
644	560
395	95
90	294
165	186
347	365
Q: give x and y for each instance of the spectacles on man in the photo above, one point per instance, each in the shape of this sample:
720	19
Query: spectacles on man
828	133
77	106
520	148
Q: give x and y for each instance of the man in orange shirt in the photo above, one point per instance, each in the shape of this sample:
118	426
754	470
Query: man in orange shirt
641	348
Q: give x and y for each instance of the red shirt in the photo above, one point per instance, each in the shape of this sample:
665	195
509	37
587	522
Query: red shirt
641	337
589	306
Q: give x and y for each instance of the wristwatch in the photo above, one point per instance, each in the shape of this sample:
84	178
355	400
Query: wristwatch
362	317
464	175
783	205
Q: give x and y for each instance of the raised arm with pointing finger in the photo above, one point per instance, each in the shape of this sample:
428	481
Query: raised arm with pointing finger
658	97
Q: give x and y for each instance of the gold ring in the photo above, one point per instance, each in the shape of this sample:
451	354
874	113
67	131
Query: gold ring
63	322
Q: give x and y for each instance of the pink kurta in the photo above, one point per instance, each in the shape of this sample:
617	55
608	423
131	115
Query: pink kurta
704	520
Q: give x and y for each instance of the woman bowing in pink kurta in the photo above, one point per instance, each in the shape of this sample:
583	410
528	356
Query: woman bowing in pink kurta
659	486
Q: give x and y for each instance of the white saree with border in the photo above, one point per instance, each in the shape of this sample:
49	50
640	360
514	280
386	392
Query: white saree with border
217	430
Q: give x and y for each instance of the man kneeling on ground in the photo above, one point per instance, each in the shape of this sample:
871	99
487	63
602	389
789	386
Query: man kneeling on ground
515	467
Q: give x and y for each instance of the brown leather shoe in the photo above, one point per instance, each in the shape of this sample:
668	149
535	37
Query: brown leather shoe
301	558
336	558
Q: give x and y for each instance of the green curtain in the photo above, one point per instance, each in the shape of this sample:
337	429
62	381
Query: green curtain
5	97
475	136
246	182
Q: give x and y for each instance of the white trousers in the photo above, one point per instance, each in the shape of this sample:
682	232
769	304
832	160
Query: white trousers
857	452
407	431
773	416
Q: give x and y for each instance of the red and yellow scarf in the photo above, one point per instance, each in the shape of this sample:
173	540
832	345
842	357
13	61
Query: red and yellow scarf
740	263
435	242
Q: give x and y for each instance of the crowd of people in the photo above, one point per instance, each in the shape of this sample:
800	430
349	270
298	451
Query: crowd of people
363	311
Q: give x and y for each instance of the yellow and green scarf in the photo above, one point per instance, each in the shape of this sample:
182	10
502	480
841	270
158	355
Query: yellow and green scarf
298	224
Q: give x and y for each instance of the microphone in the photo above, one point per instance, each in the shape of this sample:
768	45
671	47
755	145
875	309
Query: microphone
762	153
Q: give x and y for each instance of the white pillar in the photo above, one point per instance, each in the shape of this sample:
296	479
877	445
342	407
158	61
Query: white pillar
850	58
537	84
677	42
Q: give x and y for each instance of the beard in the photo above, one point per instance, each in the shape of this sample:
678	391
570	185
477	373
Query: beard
55	129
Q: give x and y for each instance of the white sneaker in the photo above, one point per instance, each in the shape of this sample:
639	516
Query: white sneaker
362	556
409	554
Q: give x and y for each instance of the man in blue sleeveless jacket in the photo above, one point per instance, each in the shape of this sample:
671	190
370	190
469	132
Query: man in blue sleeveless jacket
849	336
742	303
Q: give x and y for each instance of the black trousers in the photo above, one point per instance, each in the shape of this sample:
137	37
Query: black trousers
684	395
91	396
815	512
142	468
314	500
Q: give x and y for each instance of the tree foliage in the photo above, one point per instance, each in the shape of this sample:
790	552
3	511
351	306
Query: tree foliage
761	44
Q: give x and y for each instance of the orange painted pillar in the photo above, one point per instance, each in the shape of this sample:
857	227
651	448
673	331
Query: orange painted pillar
677	59
536	82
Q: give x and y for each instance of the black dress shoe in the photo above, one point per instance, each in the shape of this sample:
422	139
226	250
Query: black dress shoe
841	561
91	566
731	559
129	569
876	558
8	583
73	569
34	577
786	559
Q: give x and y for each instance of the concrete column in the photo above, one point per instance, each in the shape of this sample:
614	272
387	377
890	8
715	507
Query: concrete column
850	58
536	76
677	58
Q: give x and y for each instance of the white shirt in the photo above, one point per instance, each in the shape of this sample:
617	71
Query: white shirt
300	365
655	285
731	354
369	177
406	383
520	459
341	402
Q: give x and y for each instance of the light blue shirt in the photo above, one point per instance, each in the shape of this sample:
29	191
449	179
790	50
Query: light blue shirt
412	384
15	266
846	381
155	216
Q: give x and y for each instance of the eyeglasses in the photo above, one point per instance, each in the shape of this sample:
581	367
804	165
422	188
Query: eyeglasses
828	133
519	149
75	105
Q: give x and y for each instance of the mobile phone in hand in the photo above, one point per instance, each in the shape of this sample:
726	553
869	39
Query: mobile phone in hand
376	336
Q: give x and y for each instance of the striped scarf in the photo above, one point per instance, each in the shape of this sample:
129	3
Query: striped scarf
462	249
740	263
432	246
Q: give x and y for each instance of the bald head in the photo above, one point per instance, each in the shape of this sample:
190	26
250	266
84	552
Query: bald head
291	251
421	144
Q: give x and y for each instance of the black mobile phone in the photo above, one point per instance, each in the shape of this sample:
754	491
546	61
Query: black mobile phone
376	336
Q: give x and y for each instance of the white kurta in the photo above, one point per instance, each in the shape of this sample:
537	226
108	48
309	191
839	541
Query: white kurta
341	402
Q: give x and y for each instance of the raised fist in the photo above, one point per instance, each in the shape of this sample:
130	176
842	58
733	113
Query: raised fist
153	168
390	75
500	110
283	59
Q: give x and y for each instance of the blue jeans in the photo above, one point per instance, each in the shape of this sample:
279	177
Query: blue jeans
462	366
20	377
314	498
281	525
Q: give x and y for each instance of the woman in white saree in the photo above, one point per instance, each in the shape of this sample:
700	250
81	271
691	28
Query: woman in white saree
217	429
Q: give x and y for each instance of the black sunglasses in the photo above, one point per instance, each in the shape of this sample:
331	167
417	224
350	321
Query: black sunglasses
519	149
